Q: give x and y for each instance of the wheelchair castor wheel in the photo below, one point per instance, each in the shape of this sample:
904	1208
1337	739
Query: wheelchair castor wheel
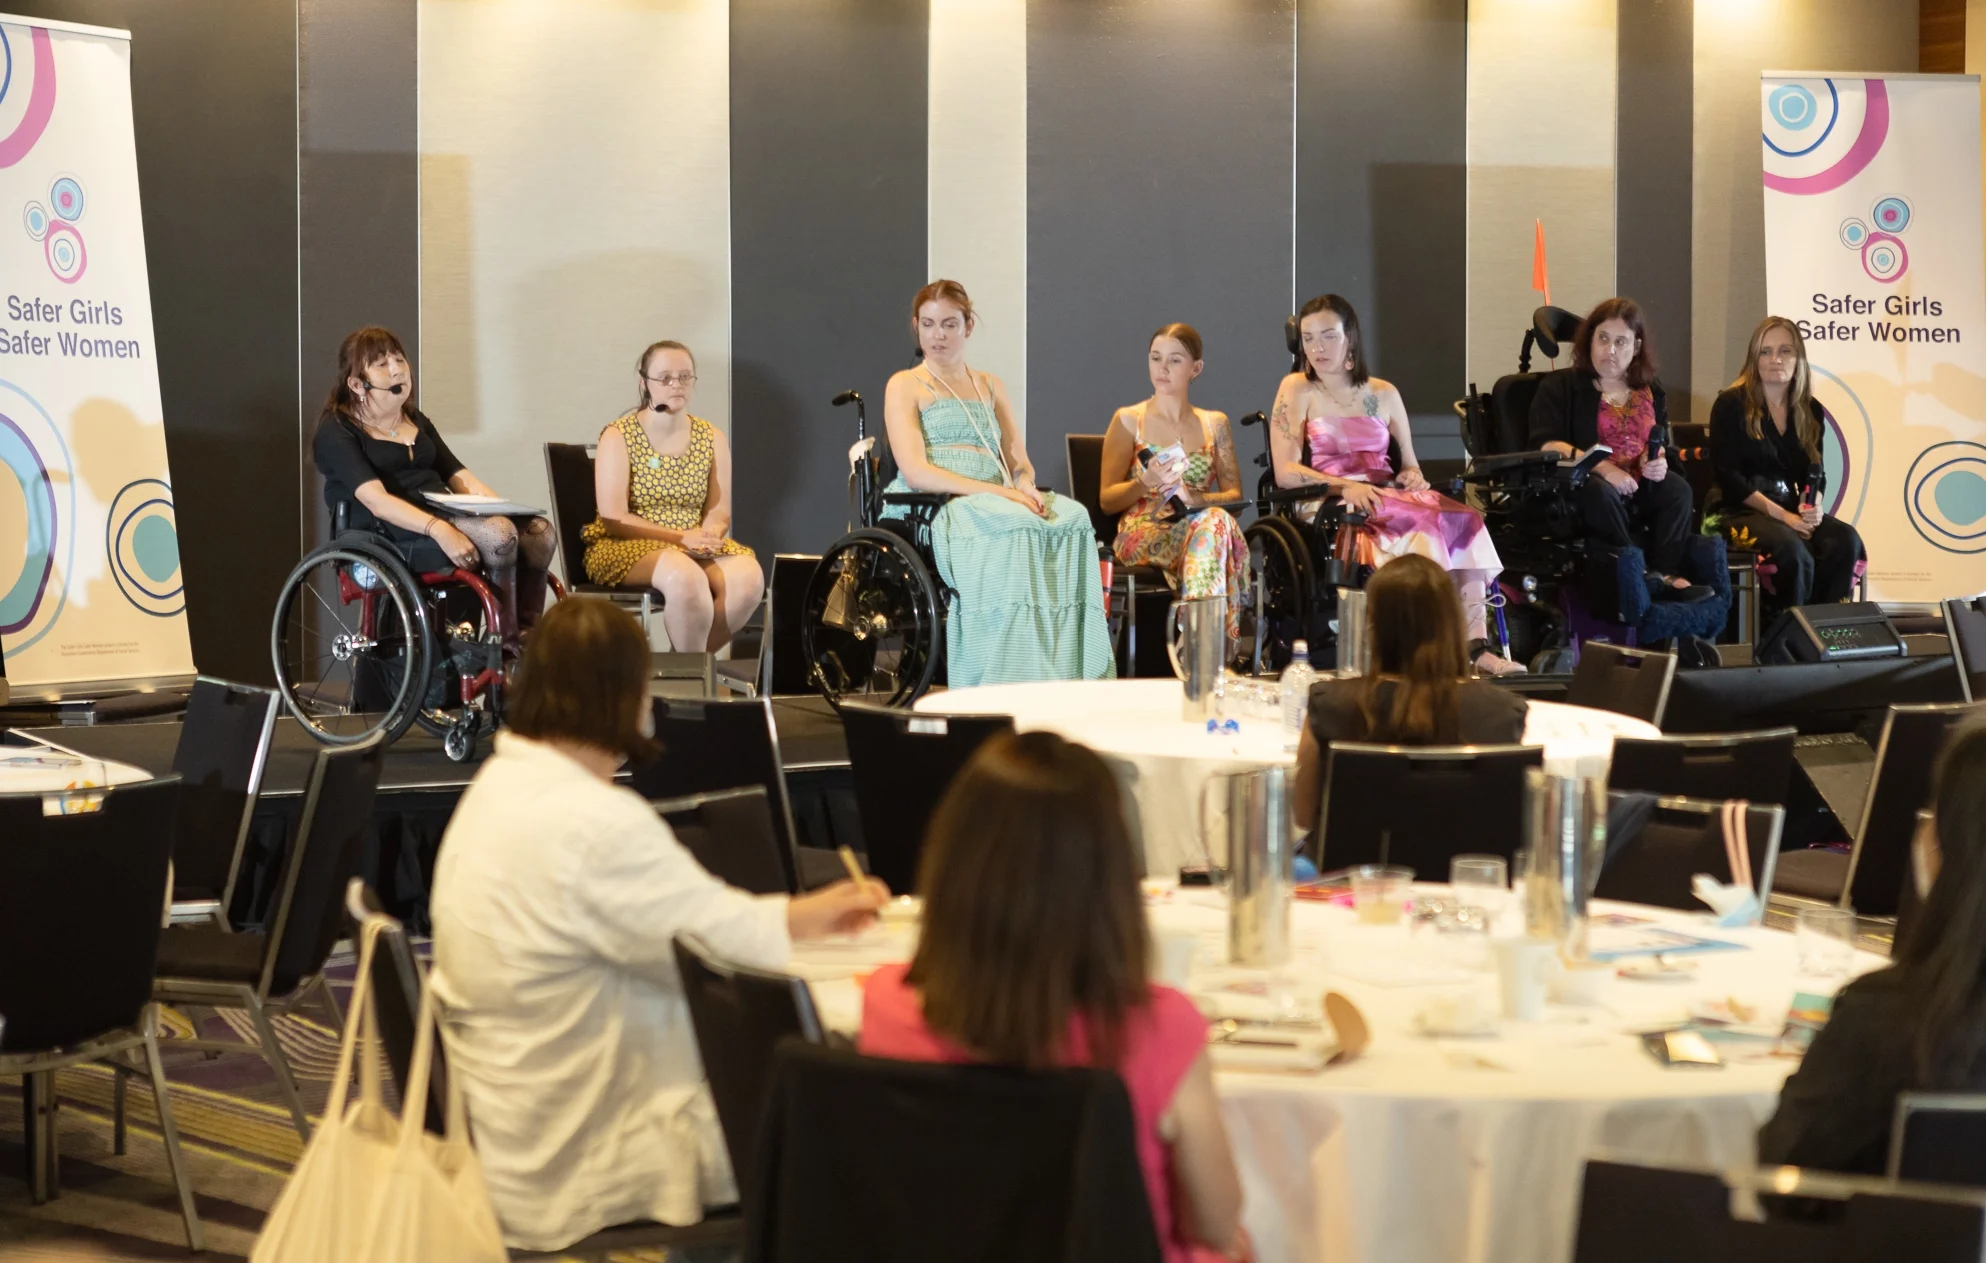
1559	661
459	743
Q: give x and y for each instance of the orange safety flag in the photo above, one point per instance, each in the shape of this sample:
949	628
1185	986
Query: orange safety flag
1541	277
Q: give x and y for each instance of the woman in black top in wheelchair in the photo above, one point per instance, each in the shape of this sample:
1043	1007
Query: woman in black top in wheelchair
1418	692
380	454
1918	1026
1610	396
1765	445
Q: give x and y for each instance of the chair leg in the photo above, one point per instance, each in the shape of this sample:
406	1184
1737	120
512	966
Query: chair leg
1130	626
330	1001
272	1052
38	1093
169	1131
117	1112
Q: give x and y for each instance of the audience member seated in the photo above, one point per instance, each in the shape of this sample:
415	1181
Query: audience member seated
1349	417
662	481
1415	694
1765	446
1034	953
556	897
380	454
1919	1025
1610	396
1165	450
1028	602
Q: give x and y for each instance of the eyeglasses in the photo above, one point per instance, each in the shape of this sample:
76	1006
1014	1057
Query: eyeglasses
673	379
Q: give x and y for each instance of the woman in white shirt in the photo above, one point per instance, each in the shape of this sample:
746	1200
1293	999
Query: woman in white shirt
556	897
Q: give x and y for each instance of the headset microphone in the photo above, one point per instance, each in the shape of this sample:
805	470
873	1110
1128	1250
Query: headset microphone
394	389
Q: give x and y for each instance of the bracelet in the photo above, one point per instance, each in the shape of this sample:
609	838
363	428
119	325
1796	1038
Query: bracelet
428	530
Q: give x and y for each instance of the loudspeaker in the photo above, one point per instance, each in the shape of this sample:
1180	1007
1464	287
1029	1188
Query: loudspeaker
1830	633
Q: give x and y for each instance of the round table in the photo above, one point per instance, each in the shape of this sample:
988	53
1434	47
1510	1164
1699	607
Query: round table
43	769
1456	1150
1162	761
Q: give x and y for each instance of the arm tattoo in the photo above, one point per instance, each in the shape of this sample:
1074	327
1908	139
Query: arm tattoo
1281	420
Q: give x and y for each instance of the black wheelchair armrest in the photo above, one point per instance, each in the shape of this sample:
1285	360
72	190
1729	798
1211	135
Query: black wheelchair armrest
1296	495
926	499
1495	468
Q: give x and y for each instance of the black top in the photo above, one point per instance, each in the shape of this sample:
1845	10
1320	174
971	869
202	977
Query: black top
1772	463
1489	715
1566	409
1836	1110
348	457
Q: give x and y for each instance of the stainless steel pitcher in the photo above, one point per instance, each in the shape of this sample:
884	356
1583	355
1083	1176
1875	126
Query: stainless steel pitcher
1197	644
1354	637
1566	829
1261	842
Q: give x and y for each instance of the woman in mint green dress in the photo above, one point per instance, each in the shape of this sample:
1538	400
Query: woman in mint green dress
1022	563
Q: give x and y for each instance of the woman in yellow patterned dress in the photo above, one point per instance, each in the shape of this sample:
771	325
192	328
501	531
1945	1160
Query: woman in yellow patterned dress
662	479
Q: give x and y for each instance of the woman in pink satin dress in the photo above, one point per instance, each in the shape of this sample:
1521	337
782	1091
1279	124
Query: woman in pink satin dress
1349	417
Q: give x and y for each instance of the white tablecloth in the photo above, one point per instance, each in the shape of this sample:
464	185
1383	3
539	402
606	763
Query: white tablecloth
40	769
1163	761
1421	1152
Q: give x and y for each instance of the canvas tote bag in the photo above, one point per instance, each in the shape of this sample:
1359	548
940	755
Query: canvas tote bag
372	1188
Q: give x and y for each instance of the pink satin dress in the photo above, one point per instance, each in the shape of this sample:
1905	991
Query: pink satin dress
1445	531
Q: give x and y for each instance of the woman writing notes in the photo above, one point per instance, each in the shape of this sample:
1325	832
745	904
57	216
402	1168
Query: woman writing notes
1165	455
1348	417
1021	562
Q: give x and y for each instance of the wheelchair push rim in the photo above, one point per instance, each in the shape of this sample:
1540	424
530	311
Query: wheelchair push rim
351	645
871	623
1276	558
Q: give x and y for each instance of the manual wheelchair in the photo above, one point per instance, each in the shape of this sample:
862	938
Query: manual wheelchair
364	646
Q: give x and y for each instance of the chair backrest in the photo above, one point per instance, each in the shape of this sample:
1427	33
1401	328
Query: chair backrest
1756	766
569	472
783	667
740	1015
895	1160
306	919
710	744
1422	806
1939	1138
1509	420
1906	762
732	835
1632	682
82	898
223	747
1085	456
1637	1214
903	761
396	990
1682	838
1965	629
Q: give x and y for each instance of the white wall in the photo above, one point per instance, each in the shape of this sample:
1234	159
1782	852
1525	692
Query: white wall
575	206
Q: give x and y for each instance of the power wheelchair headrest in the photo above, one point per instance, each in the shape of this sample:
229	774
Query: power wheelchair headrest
1292	338
1552	326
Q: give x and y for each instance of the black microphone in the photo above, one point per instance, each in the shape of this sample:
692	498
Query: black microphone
1816	485
661	407
845	398
395	389
1175	508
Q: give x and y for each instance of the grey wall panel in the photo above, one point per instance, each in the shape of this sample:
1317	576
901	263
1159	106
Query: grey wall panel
1382	189
828	187
1159	145
213	87
1654	167
358	196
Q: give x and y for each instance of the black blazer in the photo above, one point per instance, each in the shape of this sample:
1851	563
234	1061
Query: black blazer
1772	463
1490	715
1566	409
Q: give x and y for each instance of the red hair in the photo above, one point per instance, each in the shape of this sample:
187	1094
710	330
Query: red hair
941	291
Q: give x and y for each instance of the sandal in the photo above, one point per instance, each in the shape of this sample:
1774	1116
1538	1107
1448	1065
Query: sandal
1662	587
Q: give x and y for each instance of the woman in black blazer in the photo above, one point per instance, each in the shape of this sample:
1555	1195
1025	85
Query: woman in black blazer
1418	692
1765	445
1610	396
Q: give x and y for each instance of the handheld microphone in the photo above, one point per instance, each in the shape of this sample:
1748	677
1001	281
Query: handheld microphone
845	398
1816	484
1658	439
1175	508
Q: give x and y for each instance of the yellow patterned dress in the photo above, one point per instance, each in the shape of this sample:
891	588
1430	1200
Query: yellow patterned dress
670	491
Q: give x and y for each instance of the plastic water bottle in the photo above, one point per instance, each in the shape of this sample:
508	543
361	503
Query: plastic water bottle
1294	691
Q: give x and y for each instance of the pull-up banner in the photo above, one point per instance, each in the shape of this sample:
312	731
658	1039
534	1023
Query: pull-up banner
1873	245
90	585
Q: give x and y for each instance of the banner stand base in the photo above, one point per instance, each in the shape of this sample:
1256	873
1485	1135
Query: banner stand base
93	702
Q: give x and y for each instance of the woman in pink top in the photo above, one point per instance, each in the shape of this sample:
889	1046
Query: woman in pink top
1033	954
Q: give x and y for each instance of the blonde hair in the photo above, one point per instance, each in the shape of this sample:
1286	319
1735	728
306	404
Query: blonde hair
1800	412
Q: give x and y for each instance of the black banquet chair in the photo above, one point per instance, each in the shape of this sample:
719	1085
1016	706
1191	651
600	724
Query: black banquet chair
1085	458
82	895
223	747
1631	682
732	835
903	762
1681	838
1421	806
1755	766
1939	1138
1965	631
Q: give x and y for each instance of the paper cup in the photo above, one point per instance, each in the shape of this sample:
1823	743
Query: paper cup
1523	966
1172	956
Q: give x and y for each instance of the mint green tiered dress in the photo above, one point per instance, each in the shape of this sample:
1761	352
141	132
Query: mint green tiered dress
1028	601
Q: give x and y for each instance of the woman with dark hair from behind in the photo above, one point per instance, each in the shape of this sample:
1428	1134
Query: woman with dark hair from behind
1034	954
1919	1025
557	894
1417	692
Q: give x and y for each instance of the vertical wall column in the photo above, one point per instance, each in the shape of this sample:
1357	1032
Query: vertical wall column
829	195
1656	130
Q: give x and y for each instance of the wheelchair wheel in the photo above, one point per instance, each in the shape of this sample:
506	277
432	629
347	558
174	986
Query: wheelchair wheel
1278	559
351	645
466	643
871	623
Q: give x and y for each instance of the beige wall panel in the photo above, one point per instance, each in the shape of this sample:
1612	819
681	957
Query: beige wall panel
575	206
1735	41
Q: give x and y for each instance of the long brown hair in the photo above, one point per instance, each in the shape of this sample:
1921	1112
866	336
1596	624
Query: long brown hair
1032	913
584	678
1942	959
1640	370
1415	622
361	349
1800	412
1354	339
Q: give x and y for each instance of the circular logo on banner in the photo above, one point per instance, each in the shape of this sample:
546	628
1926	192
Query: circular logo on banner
141	535
1944	495
1847	432
27	91
37	498
1854	233
1884	258
61	242
1821	133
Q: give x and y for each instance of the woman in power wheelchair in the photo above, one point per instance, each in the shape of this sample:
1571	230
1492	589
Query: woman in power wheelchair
1021	597
1333	426
390	625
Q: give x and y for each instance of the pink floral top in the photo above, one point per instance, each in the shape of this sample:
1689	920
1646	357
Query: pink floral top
1625	428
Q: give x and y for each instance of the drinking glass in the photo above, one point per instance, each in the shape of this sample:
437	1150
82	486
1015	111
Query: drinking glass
1482	882
1380	892
1825	940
